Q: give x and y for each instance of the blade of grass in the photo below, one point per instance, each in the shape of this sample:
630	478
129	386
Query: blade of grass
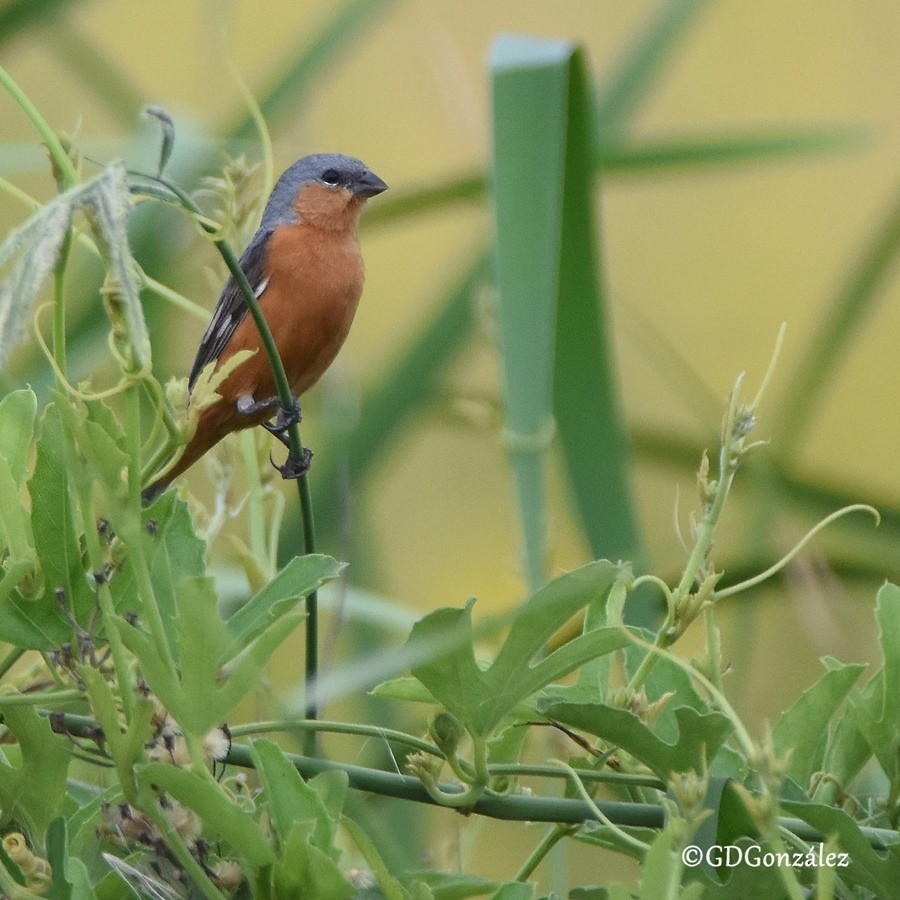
631	80
110	83
17	15
298	78
530	79
839	327
586	394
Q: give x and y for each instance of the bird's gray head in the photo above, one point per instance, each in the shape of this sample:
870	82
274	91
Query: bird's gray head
333	171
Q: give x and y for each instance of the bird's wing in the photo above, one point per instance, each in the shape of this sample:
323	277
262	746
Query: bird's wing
231	308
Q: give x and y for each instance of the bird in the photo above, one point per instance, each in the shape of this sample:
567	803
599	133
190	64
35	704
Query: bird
306	269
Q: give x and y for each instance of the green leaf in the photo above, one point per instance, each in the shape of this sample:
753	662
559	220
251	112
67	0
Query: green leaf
220	814
837	327
299	578
556	353
174	552
125	746
32	792
451	885
390	886
803	728
36	243
17	412
879	871
39	623
480	698
305	871
198	696
700	734
291	800
631	80
610	838
58	857
661	873
529	79
876	710
110	202
848	750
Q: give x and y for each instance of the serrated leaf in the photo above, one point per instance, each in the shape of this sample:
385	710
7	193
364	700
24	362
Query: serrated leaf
17	412
110	202
38	242
803	729
299	578
481	698
877	870
40	623
876	709
201	694
33	792
389	885
700	734
303	870
291	800
452	885
220	814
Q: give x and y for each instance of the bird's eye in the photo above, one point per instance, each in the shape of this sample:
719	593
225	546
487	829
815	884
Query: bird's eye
331	176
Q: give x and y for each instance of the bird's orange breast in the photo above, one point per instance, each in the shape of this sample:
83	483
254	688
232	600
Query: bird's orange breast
315	279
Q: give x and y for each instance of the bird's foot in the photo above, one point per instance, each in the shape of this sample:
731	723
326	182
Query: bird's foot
285	419
247	406
294	468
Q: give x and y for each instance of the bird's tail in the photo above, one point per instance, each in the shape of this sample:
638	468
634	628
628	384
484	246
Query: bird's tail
204	439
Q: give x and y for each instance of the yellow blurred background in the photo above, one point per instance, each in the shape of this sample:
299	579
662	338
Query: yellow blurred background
701	265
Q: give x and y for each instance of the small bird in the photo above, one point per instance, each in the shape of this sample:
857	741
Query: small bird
305	267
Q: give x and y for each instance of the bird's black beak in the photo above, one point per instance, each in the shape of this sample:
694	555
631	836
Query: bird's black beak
368	185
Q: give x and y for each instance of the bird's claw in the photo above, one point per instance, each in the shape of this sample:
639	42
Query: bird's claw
294	468
284	420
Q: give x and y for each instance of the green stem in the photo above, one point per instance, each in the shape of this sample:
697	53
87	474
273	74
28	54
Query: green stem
62	163
59	305
150	807
11	659
546	844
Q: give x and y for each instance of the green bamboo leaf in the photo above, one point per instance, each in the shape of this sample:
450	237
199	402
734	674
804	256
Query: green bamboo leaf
556	357
530	79
623	158
586	395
